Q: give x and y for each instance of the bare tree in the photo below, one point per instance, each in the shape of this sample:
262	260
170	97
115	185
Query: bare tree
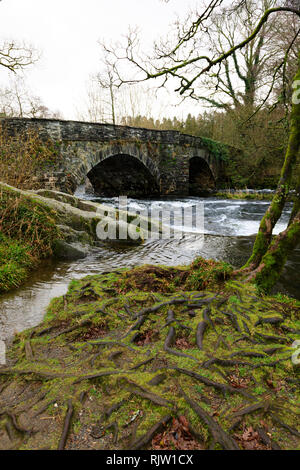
186	66
93	107
107	82
15	56
106	102
188	60
245	75
18	101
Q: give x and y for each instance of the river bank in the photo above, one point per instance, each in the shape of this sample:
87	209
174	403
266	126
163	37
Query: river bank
248	194
42	224
155	358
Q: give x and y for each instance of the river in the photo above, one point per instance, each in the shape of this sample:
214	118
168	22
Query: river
229	232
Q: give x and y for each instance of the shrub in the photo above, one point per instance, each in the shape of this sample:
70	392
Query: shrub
22	156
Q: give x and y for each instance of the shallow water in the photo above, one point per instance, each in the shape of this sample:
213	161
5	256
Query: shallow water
229	228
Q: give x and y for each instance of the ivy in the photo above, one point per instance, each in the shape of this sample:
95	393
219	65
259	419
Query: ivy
219	150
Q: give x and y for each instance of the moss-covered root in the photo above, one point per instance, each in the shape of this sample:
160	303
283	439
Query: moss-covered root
112	368
274	211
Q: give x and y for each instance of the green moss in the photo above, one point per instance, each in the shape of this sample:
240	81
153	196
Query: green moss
27	234
263	250
16	261
80	353
218	149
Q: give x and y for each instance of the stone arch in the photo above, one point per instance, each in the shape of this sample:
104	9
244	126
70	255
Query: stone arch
94	157
123	170
124	149
202	177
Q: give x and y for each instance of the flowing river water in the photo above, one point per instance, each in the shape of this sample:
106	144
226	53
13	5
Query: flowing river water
229	232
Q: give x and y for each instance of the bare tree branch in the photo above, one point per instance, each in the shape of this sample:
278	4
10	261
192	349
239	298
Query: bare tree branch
15	57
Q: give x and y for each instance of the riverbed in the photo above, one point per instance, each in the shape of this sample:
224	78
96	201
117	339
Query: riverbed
228	234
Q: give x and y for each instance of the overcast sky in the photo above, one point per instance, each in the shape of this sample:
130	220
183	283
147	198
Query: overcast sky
67	31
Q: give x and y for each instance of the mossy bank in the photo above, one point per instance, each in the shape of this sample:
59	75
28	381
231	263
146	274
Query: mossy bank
27	234
155	358
38	225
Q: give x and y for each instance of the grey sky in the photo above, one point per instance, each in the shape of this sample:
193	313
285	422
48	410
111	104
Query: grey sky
67	31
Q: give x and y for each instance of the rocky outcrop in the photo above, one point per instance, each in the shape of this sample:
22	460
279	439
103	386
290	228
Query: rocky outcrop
70	250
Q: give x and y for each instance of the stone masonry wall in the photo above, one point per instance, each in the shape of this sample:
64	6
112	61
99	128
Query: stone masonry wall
165	154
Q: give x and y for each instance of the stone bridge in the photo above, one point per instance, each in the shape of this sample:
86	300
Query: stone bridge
121	160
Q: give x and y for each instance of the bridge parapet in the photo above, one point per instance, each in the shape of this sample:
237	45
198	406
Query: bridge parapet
165	154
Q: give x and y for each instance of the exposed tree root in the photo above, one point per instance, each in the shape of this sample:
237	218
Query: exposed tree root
96	376
36	373
13	418
114	408
267	440
143	441
66	427
293	431
171	338
152	397
230	353
201	327
252	409
44	408
224	388
218	434
143	363
28	351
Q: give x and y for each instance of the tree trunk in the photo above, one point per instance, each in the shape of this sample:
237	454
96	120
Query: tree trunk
272	263
296	205
274	211
112	100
